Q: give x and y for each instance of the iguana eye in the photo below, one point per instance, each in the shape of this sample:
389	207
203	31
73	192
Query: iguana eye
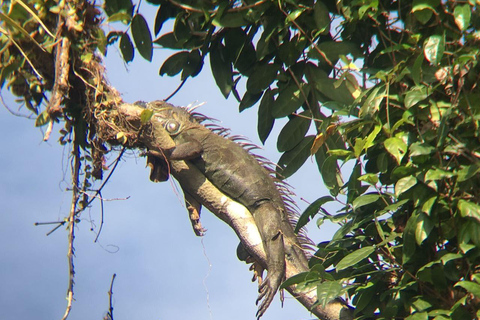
172	126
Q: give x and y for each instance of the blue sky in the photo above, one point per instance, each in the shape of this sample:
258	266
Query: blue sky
163	270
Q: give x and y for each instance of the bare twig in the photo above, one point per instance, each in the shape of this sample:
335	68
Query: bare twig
71	226
110	296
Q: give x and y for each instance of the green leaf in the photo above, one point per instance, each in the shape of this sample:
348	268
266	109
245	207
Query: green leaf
418	316
221	68
462	14
292	160
120	16
146	115
321	17
434	48
472	287
404	184
469	209
42	119
423	229
289	100
415	95
126	47
174	64
193	66
165	12
296	279
327	291
142	37
354	257
329	172
114	6
249	99
370	178
468	172
265	119
420	149
424	9
293	132
396	147
409	240
262	77
365	199
311	211
373	101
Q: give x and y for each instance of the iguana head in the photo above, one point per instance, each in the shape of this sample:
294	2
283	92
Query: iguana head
173	119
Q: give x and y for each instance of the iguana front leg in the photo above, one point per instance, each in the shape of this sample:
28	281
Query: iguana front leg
194	207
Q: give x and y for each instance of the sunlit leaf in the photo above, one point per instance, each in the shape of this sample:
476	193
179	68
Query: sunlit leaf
404	184
423	229
364	200
469	209
355	257
472	287
434	48
462	14
328	290
396	147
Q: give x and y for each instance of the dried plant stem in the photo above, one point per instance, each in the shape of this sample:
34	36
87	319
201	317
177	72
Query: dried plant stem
71	227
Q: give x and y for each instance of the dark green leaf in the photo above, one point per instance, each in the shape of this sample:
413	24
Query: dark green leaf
293	132
142	37
249	100
193	66
311	211
322	17
174	64
165	11
292	160
289	100
329	171
221	68
409	239
168	40
126	47
265	119
262	77
296	279
116	6
355	257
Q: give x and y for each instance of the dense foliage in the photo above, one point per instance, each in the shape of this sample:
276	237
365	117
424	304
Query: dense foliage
390	89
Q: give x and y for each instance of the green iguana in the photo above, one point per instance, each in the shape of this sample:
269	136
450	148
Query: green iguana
242	176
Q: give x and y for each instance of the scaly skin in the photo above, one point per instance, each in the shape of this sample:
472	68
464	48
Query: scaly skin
238	174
